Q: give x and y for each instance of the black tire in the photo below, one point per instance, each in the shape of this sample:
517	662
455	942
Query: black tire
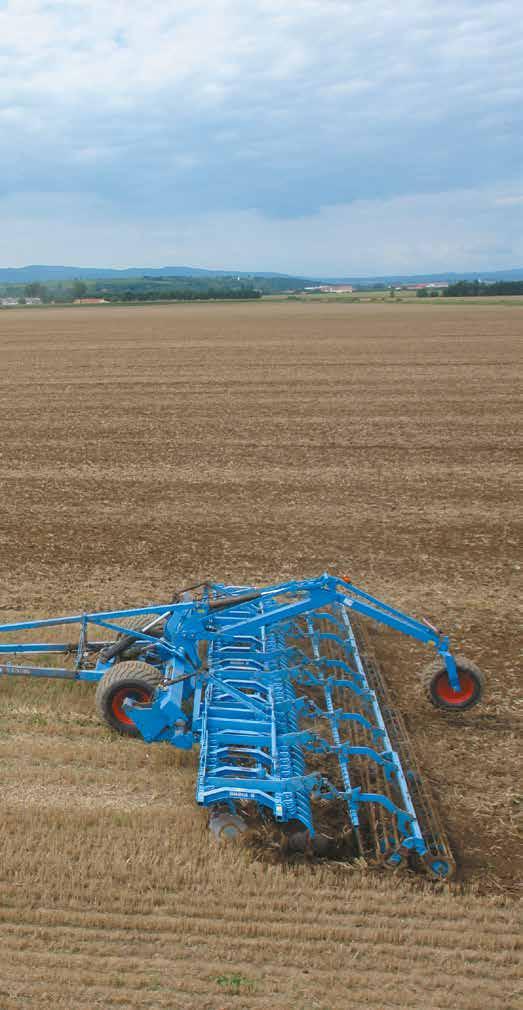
437	687
125	680
137	623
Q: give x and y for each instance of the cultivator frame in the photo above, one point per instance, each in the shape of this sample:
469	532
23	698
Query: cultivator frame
272	683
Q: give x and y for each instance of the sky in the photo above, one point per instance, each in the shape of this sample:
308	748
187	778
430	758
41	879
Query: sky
315	137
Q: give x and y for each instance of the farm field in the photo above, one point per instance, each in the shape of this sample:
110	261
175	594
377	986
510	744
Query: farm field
146	448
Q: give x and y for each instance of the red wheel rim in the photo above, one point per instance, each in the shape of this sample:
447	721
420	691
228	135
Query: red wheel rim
443	689
118	698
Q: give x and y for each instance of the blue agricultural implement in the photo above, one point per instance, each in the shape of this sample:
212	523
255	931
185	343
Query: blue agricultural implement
279	687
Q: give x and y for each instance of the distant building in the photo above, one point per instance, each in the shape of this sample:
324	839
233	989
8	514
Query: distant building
335	289
90	301
10	302
420	287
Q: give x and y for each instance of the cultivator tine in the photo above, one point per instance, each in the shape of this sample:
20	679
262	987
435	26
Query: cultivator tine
246	743
297	705
438	857
386	831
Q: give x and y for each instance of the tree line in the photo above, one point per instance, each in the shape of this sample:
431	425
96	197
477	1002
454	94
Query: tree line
142	290
475	289
185	294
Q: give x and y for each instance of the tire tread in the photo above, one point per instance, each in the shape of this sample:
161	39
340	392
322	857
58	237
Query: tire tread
464	665
129	672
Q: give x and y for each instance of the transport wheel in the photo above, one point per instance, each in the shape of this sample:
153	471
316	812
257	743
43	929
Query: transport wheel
439	691
125	680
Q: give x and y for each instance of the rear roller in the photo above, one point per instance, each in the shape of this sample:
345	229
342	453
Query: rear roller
439	690
136	681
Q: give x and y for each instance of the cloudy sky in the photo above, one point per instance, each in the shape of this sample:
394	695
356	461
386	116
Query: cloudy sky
312	136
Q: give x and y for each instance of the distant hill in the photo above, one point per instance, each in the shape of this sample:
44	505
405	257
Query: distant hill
37	272
452	277
28	274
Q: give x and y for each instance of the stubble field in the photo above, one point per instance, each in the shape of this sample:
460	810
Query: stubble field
142	449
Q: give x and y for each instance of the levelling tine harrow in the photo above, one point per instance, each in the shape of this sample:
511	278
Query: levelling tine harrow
281	691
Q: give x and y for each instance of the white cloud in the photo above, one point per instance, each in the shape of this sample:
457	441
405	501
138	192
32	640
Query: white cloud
223	108
401	235
515	200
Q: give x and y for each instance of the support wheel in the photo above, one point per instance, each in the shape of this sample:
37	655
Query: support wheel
125	680
439	691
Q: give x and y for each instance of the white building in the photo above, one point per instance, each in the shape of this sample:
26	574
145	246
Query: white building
9	303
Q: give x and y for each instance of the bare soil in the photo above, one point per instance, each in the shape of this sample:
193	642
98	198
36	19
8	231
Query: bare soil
145	448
